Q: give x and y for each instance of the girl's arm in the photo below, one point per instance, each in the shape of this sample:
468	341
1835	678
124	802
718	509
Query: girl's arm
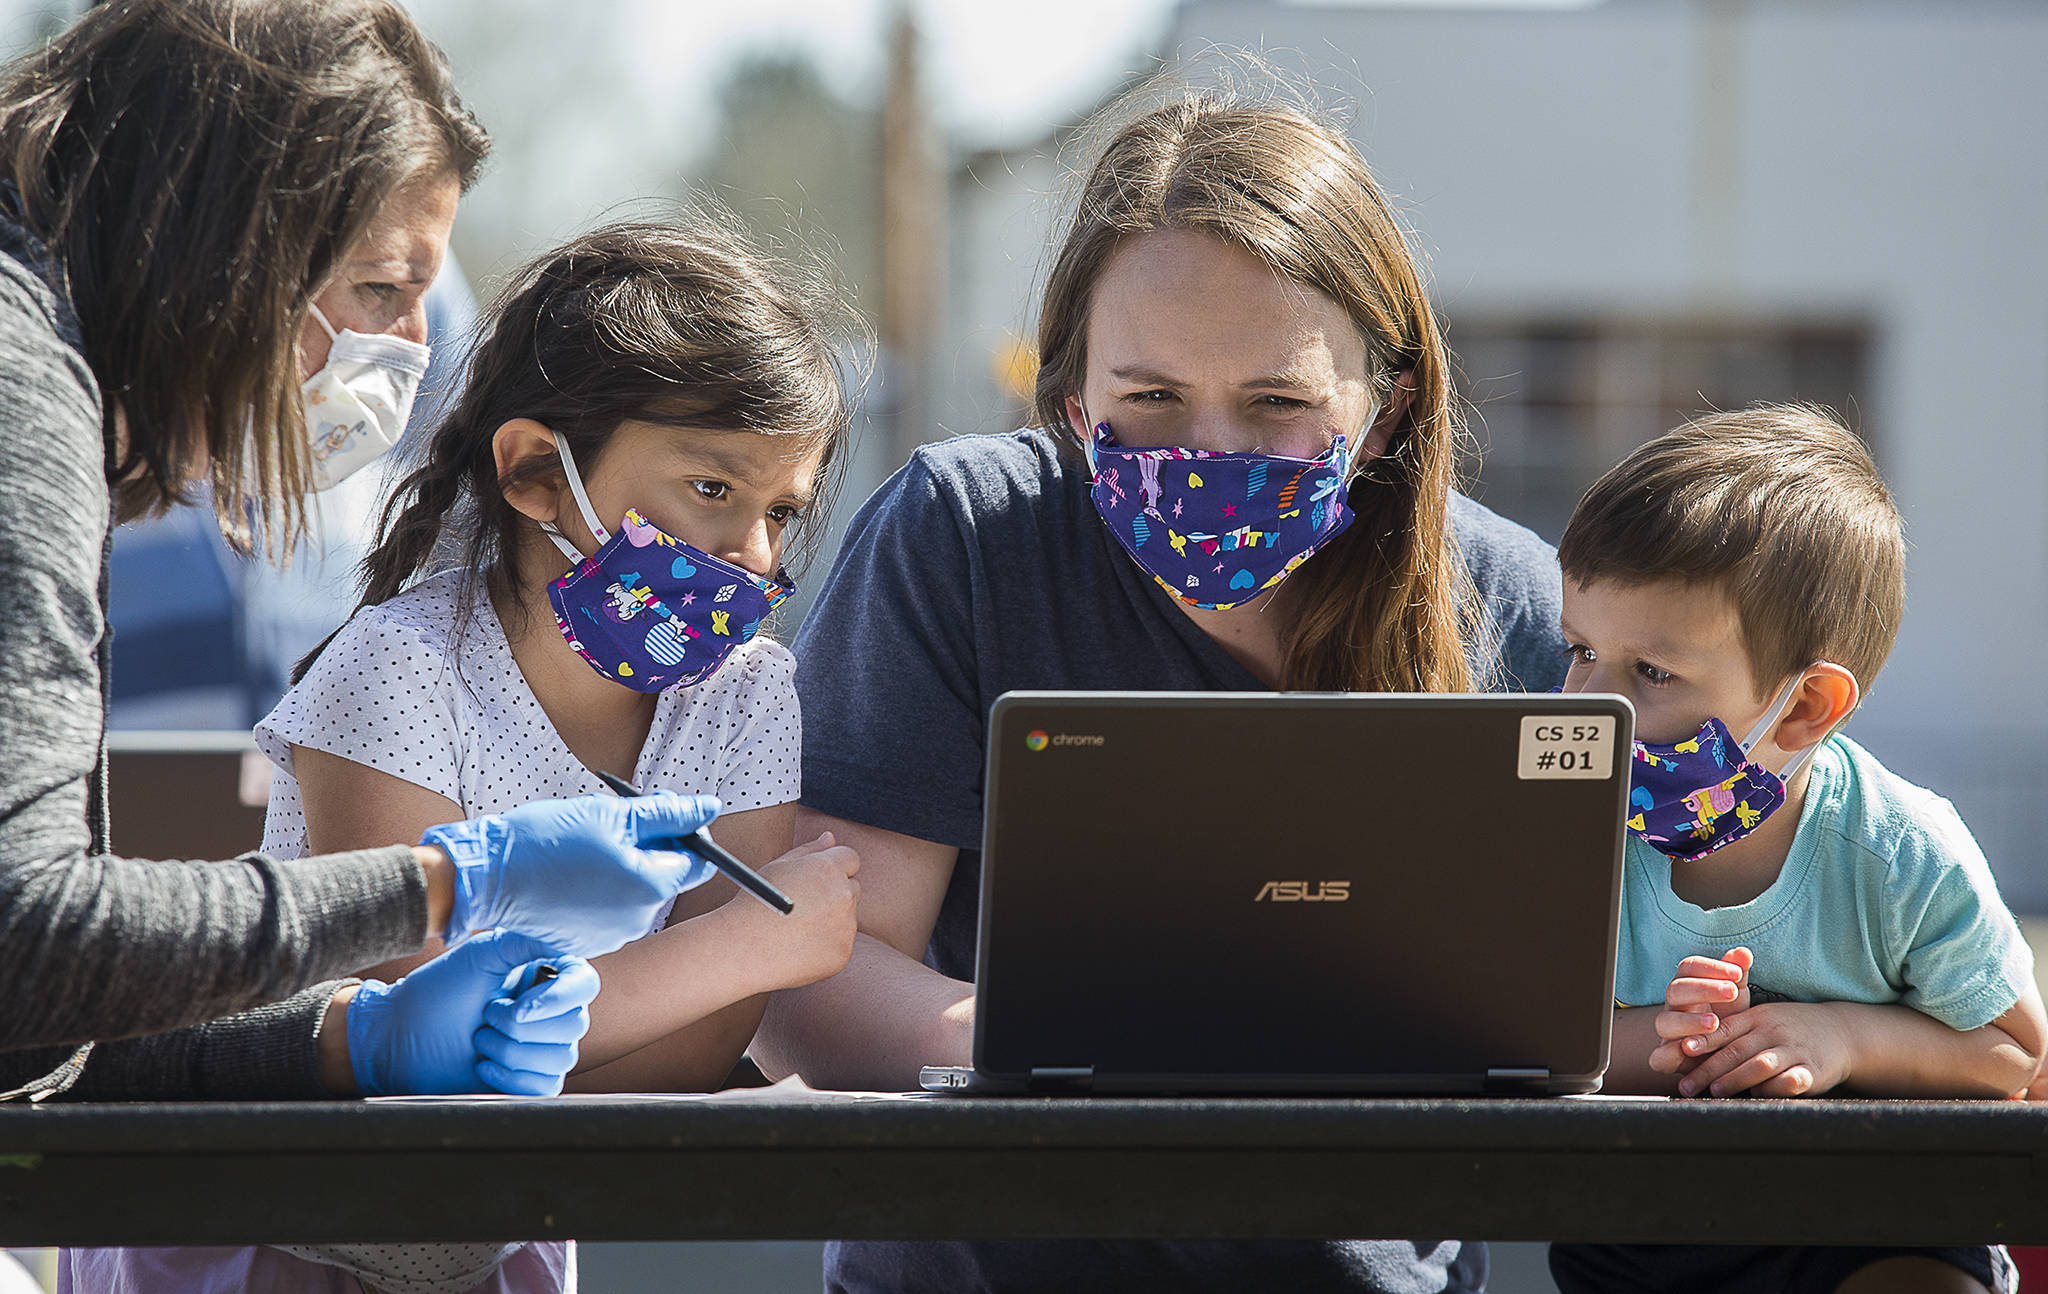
875	1023
721	953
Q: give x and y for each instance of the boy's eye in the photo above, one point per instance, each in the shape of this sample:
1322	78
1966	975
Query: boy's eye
712	490
1651	674
1579	654
1147	397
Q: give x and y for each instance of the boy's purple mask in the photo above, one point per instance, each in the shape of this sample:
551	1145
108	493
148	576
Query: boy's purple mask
1216	529
1693	797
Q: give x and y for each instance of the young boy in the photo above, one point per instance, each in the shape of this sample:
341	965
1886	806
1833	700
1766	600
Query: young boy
1836	930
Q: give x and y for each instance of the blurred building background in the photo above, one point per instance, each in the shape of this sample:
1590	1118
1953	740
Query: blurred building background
1631	211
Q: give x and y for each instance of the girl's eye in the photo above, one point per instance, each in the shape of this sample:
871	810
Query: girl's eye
1579	654
711	490
782	514
1652	675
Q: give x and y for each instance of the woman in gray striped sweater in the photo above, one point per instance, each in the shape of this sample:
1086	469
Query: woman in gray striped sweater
217	221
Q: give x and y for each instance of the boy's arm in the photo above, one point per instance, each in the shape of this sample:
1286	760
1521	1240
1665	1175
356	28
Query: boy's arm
1802	1049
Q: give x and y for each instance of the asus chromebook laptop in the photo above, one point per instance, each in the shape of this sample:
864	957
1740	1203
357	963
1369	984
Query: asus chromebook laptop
1265	892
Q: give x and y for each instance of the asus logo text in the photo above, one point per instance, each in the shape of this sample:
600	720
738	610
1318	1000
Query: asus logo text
1299	892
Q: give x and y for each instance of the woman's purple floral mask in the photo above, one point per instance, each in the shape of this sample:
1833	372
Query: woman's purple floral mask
1217	529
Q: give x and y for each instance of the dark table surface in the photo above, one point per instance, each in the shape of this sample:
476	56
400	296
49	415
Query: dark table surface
805	1165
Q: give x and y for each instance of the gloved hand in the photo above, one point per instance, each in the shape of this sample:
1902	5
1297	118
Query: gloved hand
423	1035
573	872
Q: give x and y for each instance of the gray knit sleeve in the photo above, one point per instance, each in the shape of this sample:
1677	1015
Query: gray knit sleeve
95	947
269	1053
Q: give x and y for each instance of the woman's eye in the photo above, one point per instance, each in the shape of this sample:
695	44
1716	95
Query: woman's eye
382	291
1147	397
712	490
1651	674
1286	402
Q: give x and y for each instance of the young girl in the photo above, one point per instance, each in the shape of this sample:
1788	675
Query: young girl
573	582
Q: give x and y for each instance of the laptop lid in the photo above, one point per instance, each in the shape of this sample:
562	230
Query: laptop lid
1264	891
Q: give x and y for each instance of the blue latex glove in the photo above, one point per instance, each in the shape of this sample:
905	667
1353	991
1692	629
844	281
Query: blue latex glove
575	873
426	1035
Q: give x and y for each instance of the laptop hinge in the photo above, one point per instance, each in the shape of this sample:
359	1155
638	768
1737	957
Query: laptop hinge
1062	1078
1510	1079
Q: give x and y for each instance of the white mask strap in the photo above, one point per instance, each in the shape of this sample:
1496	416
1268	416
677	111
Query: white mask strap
1770	721
322	320
597	529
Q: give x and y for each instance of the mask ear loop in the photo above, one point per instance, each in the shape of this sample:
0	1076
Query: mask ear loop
321	319
1770	720
554	532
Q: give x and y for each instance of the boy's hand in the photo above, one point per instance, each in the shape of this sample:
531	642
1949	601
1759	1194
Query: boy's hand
1700	1000
1777	1049
815	940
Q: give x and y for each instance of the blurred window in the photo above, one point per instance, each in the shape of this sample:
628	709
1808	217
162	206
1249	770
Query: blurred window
1557	401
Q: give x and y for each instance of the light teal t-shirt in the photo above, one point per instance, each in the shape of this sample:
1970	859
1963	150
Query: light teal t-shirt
1884	897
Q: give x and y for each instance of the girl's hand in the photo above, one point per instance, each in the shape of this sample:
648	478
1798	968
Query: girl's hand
1702	998
815	940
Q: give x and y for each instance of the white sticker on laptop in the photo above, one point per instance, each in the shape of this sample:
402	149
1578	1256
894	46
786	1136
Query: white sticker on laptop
1567	747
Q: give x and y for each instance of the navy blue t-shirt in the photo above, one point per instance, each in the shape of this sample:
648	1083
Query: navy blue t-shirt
982	568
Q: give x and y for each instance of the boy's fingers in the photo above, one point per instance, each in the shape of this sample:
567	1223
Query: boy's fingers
1685	1024
1708	968
1685	994
1742	959
1794	1080
1731	1054
1766	1064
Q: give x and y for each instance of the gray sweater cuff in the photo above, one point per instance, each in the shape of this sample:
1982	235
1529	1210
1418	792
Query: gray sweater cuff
270	1053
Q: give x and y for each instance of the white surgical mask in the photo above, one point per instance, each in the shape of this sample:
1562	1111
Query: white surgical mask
357	404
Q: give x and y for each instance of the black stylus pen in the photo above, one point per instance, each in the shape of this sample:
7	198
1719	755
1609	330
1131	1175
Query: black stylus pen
713	853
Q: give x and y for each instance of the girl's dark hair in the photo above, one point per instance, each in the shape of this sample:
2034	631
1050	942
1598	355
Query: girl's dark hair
682	325
199	168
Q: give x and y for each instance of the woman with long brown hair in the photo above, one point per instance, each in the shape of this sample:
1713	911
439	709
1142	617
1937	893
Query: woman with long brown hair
217	222
1232	290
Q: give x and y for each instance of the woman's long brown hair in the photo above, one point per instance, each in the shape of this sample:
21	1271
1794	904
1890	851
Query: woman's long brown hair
1386	605
198	169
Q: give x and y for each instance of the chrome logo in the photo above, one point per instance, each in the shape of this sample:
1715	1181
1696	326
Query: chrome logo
1036	739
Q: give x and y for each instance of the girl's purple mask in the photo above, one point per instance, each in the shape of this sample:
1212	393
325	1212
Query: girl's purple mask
647	610
1216	529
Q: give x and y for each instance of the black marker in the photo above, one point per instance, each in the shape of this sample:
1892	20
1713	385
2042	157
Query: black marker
537	974
713	853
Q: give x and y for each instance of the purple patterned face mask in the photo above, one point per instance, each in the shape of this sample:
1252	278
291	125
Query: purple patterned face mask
1217	529
1693	797
647	610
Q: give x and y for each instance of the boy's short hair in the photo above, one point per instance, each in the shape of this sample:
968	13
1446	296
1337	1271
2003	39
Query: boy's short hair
1779	505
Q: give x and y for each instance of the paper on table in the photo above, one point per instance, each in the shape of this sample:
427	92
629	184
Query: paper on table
790	1091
